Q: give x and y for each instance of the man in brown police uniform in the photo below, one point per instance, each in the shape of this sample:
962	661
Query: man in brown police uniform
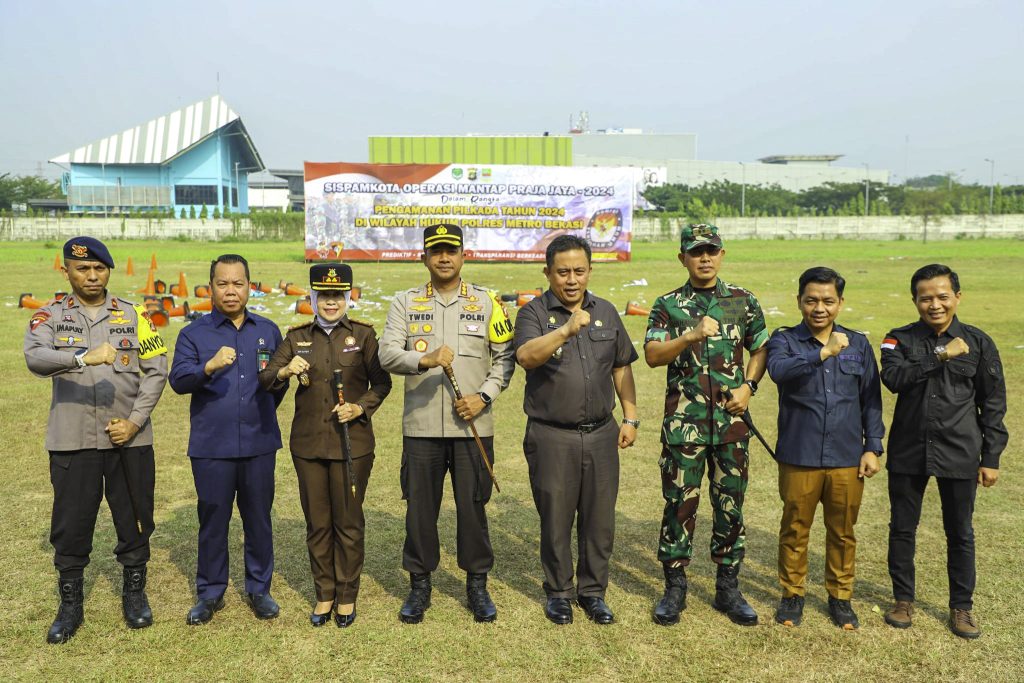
108	365
447	322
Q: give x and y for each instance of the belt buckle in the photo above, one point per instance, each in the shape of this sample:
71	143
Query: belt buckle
587	428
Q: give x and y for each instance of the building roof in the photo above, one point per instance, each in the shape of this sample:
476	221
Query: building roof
800	158
162	139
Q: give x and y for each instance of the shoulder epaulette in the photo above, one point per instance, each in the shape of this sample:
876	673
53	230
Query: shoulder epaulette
360	322
781	328
300	325
905	327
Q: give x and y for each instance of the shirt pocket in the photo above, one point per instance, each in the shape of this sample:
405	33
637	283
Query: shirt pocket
848	379
602	342
472	339
962	370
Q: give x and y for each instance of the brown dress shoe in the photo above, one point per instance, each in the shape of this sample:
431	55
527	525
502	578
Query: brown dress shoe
899	615
962	623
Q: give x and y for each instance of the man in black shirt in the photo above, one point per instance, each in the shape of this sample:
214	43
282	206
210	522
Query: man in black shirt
948	424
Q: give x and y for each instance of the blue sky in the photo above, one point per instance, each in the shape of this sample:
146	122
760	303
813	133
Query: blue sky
311	80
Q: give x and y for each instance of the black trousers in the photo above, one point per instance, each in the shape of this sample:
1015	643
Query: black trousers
425	462
80	479
906	491
574	477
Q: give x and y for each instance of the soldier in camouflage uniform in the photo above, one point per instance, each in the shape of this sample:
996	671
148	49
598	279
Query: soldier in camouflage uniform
699	331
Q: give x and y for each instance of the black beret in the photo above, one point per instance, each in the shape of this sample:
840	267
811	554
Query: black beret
87	249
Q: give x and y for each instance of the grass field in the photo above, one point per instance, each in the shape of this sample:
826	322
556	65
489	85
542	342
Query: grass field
521	645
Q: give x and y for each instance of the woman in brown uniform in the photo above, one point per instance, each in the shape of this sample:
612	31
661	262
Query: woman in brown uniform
334	514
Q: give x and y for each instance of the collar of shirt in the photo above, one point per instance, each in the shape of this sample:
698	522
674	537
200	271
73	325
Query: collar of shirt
551	301
218	318
955	329
721	289
803	333
344	322
428	290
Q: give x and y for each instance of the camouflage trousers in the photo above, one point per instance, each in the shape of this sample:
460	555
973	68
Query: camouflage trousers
682	469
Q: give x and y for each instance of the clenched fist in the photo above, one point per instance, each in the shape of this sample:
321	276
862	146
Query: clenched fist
576	322
104	354
707	327
296	366
223	358
957	347
442	357
837	341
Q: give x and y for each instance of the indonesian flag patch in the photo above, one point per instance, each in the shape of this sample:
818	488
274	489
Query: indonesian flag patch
889	343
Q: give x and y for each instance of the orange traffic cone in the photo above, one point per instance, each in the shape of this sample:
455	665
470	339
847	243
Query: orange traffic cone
151	303
356	293
56	261
203	305
180	289
152	262
159	317
532	292
291	290
160	286
181	311
303	306
202	292
167	302
633	308
260	287
523	299
150	288
130	268
29	301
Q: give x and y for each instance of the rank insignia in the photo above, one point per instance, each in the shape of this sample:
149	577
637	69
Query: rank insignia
125	359
421	308
422	299
350	341
428	328
473	297
420	345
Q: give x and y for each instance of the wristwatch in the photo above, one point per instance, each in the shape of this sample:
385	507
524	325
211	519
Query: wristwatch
941	352
635	424
753	386
485	398
80	358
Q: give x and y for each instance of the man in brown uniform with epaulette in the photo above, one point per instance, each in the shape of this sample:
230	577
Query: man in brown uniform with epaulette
447	323
108	366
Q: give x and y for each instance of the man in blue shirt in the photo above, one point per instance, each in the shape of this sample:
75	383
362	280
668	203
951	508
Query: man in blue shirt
234	438
830	437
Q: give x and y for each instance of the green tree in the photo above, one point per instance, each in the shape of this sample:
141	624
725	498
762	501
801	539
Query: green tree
191	211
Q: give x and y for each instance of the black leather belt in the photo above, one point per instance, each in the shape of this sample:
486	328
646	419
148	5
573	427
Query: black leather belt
583	427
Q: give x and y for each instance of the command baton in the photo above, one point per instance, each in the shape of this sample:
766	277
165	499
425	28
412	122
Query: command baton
346	441
128	481
479	444
750	424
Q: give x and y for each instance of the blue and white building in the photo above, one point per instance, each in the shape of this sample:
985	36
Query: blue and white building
197	156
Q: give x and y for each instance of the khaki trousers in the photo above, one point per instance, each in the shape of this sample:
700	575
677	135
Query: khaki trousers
839	491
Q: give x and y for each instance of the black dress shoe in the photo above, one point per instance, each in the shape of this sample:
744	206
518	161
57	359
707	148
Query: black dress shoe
597	609
263	606
345	620
203	611
558	611
319	619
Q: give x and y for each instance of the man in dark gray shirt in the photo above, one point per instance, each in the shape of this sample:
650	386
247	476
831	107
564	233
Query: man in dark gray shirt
577	357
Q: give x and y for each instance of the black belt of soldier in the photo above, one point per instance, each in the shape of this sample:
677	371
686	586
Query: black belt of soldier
582	427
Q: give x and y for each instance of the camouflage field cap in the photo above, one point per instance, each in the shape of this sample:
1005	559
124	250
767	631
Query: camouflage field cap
699	234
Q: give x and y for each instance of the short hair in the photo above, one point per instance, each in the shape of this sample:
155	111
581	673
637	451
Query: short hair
565	243
823	276
933	270
229	258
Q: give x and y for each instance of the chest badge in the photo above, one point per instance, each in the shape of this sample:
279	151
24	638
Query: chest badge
472	328
414	328
474	298
125	343
262	342
68	318
420	345
422	299
125	359
309	343
421	308
472	308
70	339
428	328
598	323
551	319
350	341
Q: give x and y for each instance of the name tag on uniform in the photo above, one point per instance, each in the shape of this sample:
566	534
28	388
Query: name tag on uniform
348	349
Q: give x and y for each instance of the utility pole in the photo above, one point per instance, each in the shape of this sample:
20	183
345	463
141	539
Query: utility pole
991	185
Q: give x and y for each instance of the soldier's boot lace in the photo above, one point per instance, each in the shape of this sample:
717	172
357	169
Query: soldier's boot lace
70	614
479	599
728	598
418	601
134	603
666	612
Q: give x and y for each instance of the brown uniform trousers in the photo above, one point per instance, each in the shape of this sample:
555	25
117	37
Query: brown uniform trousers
334	517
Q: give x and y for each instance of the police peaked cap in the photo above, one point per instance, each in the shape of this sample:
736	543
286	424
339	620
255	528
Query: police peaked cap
330	277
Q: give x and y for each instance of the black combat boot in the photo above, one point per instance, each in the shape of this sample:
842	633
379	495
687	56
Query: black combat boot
134	604
69	615
728	598
479	599
418	601
666	612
